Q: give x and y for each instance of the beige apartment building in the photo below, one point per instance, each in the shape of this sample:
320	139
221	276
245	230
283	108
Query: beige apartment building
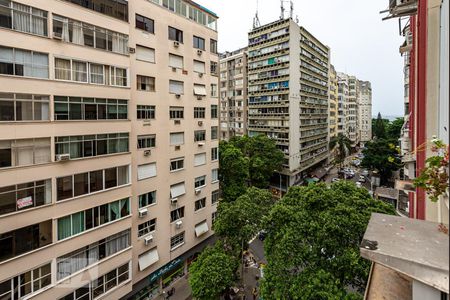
233	93
364	111
108	145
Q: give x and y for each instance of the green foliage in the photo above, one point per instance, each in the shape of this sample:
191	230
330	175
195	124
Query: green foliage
379	127
343	146
312	244
240	220
212	273
394	128
381	155
247	161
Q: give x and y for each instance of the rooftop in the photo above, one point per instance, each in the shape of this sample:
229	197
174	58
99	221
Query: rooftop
414	248
385	192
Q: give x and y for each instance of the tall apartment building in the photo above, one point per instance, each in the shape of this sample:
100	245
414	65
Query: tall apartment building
233	93
108	145
364	104
342	103
352	126
288	95
333	102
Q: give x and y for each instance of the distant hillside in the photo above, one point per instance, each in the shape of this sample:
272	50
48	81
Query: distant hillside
390	118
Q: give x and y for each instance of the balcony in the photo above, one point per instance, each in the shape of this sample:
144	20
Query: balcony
400	8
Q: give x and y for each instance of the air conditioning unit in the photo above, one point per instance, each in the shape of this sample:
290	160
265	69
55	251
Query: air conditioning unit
62	157
185	72
200	75
199	97
201	144
142	212
178	224
131	50
174	69
177	96
177	122
148	239
200	123
199	52
174	201
177	147
176	44
57	36
147	152
198	191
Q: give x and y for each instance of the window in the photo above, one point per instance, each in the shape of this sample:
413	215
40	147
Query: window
199	135
214	90
147	199
147	227
176	87
214	154
176	61
176	112
24	107
177	190
21	62
25	239
199	204
199	112
177	138
214	175
145	112
213	46
213	68
93	217
78	108
145	24
23	196
176	164
116	8
199	159
146	171
199	66
145	83
199	43
81	258
199	90
176	241
23	18
80	33
200	182
146	141
145	54
215	195
26	283
102	284
177	214
90	182
83	146
214	111
214	132
14	153
175	35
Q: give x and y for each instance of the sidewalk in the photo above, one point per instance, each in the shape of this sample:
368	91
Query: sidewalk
182	290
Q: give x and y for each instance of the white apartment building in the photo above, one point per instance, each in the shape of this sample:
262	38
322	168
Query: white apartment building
108	145
365	111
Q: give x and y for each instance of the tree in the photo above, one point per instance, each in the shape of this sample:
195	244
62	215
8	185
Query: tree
212	273
312	242
238	221
383	156
343	145
379	127
394	129
233	171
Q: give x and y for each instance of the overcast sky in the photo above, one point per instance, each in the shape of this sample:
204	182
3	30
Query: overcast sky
361	44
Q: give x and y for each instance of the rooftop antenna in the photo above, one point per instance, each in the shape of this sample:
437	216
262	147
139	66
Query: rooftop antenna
282	10
256	18
291	13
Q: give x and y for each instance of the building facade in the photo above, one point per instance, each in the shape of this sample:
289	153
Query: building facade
333	102
364	103
233	94
106	190
342	103
288	95
352	122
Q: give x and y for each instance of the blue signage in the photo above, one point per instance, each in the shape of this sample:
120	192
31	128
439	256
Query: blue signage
163	270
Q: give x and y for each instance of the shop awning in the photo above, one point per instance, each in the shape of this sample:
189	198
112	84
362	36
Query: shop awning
147	259
311	180
201	228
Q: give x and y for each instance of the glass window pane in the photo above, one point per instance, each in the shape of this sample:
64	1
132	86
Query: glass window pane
96	181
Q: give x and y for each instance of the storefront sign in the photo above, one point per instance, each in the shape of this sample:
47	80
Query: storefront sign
24	202
161	271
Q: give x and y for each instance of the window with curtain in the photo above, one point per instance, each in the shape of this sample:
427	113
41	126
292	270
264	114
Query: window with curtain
20	62
79	71
215	175
145	83
62	69
23	18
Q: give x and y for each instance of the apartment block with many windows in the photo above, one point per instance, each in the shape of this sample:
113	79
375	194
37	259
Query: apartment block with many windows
102	184
288	95
333	102
233	93
364	111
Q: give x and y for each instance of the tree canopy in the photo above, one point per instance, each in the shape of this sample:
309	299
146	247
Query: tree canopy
381	155
212	273
379	127
343	146
394	128
247	161
312	242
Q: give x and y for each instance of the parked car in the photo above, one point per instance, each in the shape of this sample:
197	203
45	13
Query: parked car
365	172
358	184
335	180
362	178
